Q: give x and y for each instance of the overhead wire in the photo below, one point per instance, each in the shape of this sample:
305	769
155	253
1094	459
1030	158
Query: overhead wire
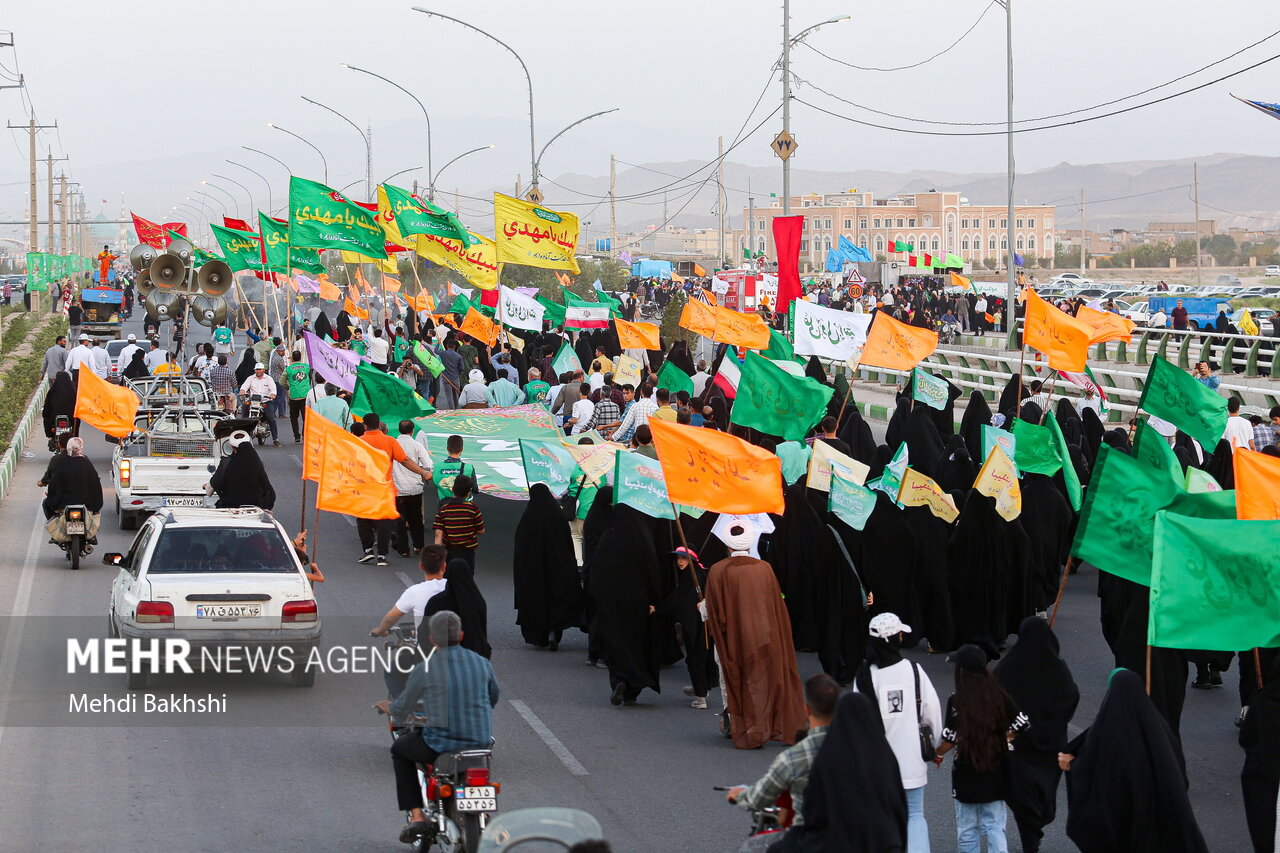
945	50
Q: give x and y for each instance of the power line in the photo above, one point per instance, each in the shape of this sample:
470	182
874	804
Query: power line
946	49
921	132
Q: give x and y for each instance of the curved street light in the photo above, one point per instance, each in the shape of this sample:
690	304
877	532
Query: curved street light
787	42
208	197
253	208
305	141
226	191
431	189
270	204
269	157
533	158
538	161
401	172
425	115
368	146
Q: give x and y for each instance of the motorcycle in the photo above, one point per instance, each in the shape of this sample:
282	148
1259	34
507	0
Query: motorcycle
61	425
650	310
767	824
75	524
257	414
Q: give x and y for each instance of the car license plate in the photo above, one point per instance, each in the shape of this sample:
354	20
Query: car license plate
184	501
480	799
228	612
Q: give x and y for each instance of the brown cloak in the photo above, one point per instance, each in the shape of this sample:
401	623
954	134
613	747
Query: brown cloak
752	632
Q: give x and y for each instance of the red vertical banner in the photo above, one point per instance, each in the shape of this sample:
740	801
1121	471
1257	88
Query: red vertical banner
176	227
149	232
786	237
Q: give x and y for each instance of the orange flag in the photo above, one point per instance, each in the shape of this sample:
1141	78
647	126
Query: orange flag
716	471
479	327
1104	326
1061	337
1257	485
354	477
637	335
896	345
110	408
564	278
363	282
709	297
740	329
354	310
313	433
446	319
390	283
699	318
329	291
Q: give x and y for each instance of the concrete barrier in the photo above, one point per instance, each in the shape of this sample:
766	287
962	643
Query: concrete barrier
9	462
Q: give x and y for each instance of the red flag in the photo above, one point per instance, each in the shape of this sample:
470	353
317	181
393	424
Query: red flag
786	236
238	224
178	227
151	233
489	298
911	261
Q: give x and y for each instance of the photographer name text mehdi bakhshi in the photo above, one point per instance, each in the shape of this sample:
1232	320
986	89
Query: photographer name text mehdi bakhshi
147	703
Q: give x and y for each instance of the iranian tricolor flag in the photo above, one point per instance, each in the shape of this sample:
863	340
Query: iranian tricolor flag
1086	380
726	378
896	246
581	314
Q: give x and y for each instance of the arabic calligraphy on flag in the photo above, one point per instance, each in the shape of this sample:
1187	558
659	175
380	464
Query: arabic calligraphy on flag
534	236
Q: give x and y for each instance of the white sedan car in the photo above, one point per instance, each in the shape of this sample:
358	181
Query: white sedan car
223	580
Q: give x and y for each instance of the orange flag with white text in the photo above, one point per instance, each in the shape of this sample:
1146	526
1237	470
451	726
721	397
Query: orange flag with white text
479	327
1062	338
638	335
1257	485
110	408
1104	326
716	471
354	476
895	345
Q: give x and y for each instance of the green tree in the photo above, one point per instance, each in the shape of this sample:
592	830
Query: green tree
990	263
1185	251
1222	247
671	329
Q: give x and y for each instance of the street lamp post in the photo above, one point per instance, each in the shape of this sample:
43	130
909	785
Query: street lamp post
787	42
1011	284
269	157
538	160
425	115
270	200
307	142
368	147
431	186
208	197
253	208
228	194
533	158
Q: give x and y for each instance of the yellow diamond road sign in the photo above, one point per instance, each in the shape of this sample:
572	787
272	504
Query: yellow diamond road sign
784	145
534	195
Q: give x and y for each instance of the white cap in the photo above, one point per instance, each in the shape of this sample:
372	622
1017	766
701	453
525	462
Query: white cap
887	625
133	337
259	366
83	337
476	376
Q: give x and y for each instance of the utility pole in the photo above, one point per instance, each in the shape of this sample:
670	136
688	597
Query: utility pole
1083	248
613	205
63	245
720	200
1195	183
368	164
32	127
786	103
751	221
1011	284
49	161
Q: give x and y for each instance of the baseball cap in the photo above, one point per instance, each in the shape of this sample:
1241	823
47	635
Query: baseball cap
259	366
887	625
83	337
969	657
133	338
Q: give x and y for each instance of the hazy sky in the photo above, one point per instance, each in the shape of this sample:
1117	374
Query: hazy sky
152	97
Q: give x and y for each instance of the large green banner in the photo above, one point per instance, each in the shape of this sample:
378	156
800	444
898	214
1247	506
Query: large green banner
492	443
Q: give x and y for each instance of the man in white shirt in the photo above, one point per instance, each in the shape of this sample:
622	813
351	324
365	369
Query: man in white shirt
101	361
126	354
379	350
1239	431
895	683
980	308
1158	320
409	491
700	379
80	354
413	602
155	357
1090	400
582	410
261	383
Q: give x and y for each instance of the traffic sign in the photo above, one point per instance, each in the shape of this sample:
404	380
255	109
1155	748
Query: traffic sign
784	145
534	194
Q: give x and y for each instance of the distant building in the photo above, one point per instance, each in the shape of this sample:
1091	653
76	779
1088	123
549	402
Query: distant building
935	222
675	242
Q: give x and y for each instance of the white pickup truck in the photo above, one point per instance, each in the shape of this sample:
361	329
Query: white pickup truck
168	465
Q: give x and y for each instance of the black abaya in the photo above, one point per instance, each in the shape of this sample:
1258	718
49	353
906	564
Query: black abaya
463	597
548	595
1260	778
60	400
245	369
241	480
976	415
887	559
856	432
986	561
624	585
1046	517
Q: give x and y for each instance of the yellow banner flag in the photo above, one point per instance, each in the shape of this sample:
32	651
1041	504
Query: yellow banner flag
110	408
354	477
478	264
825	459
534	236
626	370
999	479
919	490
595	460
387	219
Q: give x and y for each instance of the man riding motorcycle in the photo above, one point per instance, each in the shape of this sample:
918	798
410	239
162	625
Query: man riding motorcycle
73	481
459	693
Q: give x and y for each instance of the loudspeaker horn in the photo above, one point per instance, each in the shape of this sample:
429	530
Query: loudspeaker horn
209	311
168	272
142	255
143	283
181	249
162	305
214	278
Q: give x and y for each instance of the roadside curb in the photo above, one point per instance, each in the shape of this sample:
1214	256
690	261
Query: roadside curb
9	462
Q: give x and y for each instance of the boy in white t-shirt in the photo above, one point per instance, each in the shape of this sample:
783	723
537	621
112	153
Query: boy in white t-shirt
413	601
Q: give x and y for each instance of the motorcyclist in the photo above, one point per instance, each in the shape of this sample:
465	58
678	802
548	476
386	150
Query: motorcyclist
458	688
74	481
262	384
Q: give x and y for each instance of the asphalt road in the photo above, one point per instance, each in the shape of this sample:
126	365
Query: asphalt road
307	769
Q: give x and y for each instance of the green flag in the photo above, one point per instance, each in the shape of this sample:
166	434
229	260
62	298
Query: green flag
674	379
795	459
281	257
1197	482
638	483
775	402
242	249
1215	584
1150	448
416	215
1124	495
1183	401
779	348
383	393
1033	449
547	461
555	311
322	218
460	305
1075	495
37	272
852	504
566	360
1002	438
429	359
929	389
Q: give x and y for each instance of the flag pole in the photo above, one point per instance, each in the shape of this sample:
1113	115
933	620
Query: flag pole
1257	666
1062	587
1052	382
1148	669
302	515
1022	360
